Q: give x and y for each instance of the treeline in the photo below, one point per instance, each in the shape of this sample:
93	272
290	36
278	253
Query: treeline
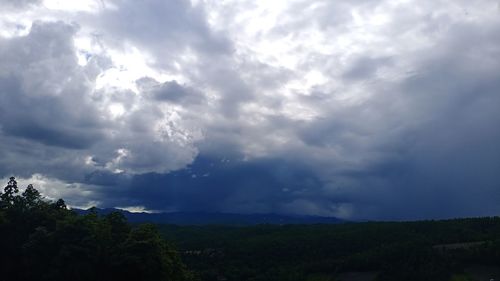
43	240
395	250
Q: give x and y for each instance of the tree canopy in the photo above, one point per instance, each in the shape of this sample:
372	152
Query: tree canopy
44	240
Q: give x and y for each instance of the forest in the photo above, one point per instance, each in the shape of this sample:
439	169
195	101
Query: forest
45	240
458	249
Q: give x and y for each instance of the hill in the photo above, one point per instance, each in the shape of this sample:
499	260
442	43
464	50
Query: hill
201	218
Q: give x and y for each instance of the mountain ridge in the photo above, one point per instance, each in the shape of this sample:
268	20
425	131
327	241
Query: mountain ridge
205	218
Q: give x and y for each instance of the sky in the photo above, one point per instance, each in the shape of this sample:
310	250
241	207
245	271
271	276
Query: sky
360	109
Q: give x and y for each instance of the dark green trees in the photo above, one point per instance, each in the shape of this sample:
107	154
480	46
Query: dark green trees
43	240
9	193
31	197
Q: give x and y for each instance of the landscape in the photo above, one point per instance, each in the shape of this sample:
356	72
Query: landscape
250	140
56	243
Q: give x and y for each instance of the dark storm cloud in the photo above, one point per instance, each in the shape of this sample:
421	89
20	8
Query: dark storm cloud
33	119
434	143
215	184
170	91
30	103
425	147
50	112
400	123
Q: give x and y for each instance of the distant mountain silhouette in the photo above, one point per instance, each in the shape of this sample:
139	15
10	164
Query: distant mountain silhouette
201	218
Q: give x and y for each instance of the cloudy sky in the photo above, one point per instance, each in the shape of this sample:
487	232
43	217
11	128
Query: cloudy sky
358	109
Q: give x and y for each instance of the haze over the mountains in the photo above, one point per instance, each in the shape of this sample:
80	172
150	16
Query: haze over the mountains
202	218
363	109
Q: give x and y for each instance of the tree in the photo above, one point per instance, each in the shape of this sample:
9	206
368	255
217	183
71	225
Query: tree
10	191
59	205
31	196
42	240
146	256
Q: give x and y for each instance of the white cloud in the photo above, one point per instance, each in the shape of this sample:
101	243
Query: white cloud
75	195
74	6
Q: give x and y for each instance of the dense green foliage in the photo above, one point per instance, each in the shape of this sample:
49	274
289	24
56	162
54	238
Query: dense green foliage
394	250
42	240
